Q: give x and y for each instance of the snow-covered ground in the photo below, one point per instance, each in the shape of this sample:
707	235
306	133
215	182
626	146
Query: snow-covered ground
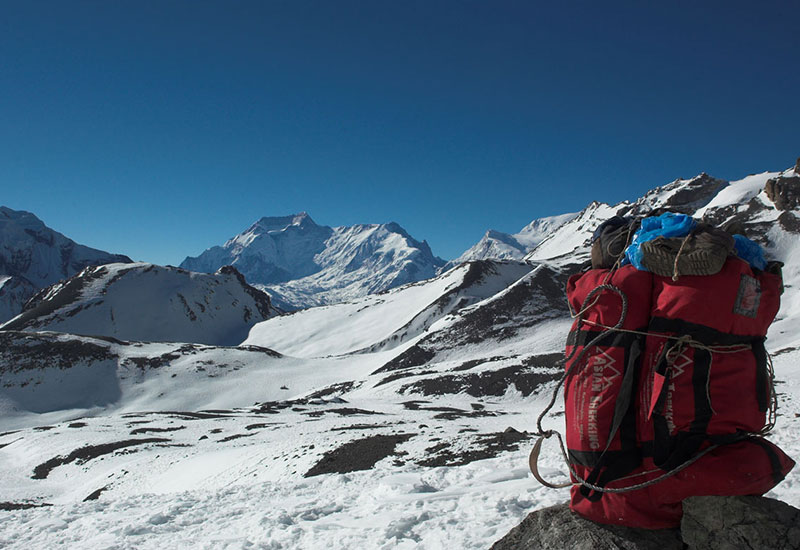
250	492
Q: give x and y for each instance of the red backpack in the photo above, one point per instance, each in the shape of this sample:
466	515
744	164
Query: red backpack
667	391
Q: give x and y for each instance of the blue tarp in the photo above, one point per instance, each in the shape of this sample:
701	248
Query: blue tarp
666	225
750	251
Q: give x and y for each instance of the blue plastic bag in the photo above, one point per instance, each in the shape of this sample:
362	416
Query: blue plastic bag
666	225
750	251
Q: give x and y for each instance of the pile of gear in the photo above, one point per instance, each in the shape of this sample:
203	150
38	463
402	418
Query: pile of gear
668	386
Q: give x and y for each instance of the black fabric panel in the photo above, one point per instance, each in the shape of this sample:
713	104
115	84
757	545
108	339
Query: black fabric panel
627	430
707	335
622	407
774	459
762	375
610	468
670	451
700	381
661	437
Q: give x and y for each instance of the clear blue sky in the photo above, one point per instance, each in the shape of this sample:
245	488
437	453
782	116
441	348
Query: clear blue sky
159	128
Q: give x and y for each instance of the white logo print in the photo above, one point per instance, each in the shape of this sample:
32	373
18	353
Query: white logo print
679	364
604	371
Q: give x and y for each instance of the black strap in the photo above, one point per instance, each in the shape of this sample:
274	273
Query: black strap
700	385
624	419
774	459
611	466
763	390
607	466
670	451
702	333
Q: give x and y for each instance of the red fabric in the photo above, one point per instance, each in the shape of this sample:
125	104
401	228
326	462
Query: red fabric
643	508
712	301
735	305
592	389
708	305
744	468
591	394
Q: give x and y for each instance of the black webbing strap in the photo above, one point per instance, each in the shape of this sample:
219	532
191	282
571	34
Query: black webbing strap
774	460
609	466
762	375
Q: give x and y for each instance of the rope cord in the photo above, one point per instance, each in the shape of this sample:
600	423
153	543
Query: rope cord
675	274
636	487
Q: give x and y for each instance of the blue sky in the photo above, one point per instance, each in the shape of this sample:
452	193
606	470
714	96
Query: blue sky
157	128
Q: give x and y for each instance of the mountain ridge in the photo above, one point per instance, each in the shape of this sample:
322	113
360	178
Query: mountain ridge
301	264
145	302
34	256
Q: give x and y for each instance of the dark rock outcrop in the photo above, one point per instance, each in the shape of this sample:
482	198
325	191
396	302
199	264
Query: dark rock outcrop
557	527
784	192
709	523
716	523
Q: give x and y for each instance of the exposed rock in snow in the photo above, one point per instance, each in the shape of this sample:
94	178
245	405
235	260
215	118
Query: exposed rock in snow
34	256
386	320
784	191
145	302
302	264
557	527
14	292
720	523
709	523
686	196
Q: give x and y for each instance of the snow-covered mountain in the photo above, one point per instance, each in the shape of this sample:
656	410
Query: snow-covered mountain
396	420
496	245
145	302
302	264
33	256
388	320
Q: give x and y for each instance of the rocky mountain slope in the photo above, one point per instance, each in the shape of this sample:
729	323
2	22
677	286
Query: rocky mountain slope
399	419
33	256
302	264
145	302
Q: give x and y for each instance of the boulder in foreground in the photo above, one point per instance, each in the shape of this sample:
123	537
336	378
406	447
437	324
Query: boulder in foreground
709	523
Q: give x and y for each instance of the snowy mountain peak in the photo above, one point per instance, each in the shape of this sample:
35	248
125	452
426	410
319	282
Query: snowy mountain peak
21	218
281	223
301	263
682	195
497	245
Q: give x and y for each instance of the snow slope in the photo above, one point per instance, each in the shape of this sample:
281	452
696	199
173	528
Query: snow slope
570	241
301	264
386	320
14	293
34	256
496	245
145	302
